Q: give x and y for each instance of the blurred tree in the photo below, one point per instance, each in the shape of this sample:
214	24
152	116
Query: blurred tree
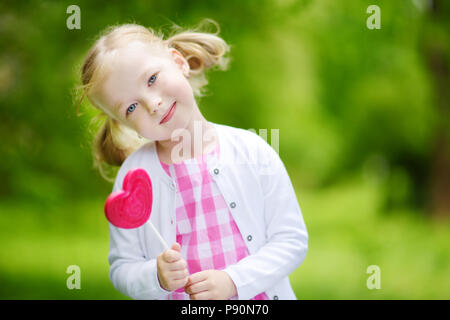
344	97
435	45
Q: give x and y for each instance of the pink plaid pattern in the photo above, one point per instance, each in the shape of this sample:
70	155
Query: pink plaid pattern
206	230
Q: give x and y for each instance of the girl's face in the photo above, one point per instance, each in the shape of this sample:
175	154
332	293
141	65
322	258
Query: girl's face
144	83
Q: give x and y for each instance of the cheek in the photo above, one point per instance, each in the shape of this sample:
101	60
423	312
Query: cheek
147	127
180	89
142	123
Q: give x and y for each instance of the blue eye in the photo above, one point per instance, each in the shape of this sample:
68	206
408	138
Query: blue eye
131	108
152	79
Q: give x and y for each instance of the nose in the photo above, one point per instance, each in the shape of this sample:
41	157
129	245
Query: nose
153	104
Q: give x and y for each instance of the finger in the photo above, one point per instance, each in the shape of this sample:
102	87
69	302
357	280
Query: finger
198	276
204	295
178	265
180	283
176	246
188	282
171	256
196	287
178	275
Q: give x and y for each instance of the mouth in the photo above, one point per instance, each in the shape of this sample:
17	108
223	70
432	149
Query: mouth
168	115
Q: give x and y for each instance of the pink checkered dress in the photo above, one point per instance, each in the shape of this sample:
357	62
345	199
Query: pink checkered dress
206	230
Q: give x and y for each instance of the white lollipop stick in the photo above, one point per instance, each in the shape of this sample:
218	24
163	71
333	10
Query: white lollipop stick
158	235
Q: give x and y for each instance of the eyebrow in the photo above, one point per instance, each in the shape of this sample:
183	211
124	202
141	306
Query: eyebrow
148	70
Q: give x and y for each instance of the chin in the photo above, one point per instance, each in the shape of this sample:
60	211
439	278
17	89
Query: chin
181	122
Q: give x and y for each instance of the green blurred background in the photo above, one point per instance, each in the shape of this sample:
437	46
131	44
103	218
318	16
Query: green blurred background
364	133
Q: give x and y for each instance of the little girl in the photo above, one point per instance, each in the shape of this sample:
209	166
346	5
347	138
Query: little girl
221	195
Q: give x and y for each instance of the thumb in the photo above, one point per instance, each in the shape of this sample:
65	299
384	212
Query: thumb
176	246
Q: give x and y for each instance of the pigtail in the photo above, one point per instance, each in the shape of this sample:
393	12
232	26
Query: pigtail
202	50
112	144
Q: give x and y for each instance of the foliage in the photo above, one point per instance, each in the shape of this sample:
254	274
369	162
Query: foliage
358	112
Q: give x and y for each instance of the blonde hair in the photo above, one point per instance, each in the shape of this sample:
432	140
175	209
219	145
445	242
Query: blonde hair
114	142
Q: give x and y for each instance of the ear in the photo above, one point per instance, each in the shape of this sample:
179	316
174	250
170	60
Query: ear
180	61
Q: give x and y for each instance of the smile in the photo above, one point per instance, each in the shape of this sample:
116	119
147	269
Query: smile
169	113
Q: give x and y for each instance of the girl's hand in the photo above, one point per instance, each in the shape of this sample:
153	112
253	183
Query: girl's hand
172	269
210	285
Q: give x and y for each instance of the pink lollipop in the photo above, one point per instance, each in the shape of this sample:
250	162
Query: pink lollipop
131	207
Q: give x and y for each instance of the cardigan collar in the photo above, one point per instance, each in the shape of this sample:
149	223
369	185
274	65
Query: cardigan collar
213	163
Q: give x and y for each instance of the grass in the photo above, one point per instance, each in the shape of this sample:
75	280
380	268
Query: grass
347	234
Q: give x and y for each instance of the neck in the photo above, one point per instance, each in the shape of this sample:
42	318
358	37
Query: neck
202	136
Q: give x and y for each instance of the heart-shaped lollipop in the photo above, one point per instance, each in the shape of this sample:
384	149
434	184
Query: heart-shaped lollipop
132	206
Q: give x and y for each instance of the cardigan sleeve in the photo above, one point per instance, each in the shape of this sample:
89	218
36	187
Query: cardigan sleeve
131	273
286	235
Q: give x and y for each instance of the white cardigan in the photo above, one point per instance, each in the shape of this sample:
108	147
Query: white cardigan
260	196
